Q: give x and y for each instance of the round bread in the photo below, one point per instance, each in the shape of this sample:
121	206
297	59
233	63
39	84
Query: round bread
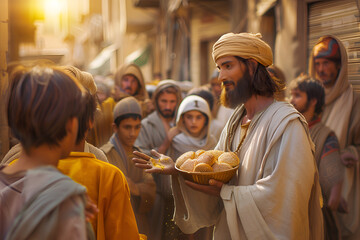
229	158
203	167
188	165
219	167
215	153
184	157
198	153
207	158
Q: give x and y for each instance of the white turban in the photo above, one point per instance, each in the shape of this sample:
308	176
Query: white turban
244	45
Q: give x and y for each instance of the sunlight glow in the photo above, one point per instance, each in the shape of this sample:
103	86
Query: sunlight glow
52	6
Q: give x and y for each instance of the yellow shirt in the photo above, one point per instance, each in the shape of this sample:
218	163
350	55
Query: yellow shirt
108	188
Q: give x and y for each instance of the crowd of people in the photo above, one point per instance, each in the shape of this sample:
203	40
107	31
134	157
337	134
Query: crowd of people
82	169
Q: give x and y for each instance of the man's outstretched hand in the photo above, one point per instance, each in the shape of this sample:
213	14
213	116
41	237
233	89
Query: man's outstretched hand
159	164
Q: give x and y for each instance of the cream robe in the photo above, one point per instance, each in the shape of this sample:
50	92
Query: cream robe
276	193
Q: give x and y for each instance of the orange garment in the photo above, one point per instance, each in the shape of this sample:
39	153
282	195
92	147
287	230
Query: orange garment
108	188
102	130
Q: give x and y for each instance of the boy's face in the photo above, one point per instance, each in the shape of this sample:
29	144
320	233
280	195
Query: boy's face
299	100
194	121
128	130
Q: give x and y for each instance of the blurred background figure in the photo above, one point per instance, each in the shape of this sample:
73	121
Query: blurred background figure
329	64
308	97
129	81
220	114
279	78
103	88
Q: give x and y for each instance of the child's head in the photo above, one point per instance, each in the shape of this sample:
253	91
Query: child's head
41	102
305	91
127	120
88	110
194	116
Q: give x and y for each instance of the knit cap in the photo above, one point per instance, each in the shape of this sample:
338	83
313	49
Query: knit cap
327	48
128	105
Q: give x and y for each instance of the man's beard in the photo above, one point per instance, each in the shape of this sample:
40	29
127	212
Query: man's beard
240	94
305	108
167	113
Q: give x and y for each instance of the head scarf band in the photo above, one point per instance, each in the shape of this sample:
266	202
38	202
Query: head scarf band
327	48
244	45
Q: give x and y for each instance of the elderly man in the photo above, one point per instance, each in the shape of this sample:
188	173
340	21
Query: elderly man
329	64
129	81
276	193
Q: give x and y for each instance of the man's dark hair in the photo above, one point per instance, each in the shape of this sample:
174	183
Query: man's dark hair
313	88
87	114
169	90
126	116
261	84
41	101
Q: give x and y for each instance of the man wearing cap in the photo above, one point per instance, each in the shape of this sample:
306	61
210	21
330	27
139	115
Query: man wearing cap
129	81
126	126
329	64
276	192
155	134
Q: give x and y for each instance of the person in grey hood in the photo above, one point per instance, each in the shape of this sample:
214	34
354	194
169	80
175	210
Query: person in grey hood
157	133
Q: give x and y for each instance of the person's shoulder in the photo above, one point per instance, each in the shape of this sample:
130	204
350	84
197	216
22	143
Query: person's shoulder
152	118
99	154
12	154
281	110
107	147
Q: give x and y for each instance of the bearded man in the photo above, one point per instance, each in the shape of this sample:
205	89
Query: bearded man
329	64
276	193
157	133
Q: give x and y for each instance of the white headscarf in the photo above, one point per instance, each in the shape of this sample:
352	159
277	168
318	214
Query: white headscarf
184	142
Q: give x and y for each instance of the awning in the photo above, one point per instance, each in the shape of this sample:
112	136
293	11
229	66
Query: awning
139	57
101	64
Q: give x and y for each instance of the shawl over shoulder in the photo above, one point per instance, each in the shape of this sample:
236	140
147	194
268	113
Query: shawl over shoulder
276	194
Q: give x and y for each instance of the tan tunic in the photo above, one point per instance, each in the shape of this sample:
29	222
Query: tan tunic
141	204
276	194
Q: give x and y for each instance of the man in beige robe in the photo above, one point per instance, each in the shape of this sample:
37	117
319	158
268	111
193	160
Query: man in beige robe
276	192
328	63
